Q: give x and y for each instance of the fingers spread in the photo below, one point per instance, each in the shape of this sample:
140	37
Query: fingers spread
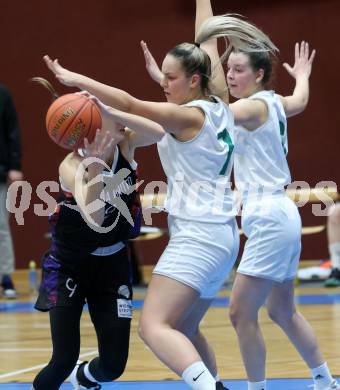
297	51
312	56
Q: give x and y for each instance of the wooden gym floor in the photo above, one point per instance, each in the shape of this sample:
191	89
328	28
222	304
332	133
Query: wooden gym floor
25	344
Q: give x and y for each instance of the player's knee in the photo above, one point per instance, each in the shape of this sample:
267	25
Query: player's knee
242	314
149	330
235	314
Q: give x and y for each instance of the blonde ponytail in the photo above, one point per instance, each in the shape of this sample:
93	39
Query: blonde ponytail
239	35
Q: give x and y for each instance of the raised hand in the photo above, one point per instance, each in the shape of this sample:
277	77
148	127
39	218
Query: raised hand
100	146
303	61
151	64
105	110
110	116
63	75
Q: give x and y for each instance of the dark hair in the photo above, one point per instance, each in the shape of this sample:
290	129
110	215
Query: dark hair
194	60
261	60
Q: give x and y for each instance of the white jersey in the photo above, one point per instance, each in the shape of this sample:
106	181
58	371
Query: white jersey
198	171
260	155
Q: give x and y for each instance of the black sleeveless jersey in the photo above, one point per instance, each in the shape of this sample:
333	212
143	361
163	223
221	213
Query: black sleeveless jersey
73	237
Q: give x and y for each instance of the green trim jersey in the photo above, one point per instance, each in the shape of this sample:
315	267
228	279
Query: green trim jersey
198	170
260	155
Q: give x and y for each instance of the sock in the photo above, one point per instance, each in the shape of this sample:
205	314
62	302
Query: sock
84	377
257	385
322	376
334	250
198	377
217	378
88	374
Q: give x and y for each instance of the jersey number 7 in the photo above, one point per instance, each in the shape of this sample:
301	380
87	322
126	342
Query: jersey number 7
225	136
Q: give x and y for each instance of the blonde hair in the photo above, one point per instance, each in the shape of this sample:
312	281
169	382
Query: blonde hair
239	36
46	84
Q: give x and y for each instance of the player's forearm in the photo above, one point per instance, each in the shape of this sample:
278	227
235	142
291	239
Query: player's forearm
111	96
147	127
158	76
203	12
301	90
92	193
299	99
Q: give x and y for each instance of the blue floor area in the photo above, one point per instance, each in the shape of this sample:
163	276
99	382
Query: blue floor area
273	384
308	299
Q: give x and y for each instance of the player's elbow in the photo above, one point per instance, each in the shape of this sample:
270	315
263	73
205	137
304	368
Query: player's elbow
297	108
159	134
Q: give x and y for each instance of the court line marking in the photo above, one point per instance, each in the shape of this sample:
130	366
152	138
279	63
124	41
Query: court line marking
43	325
36	349
40	366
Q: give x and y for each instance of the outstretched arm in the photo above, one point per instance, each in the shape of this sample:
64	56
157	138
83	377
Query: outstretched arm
203	12
141	131
174	118
151	64
301	71
104	92
219	85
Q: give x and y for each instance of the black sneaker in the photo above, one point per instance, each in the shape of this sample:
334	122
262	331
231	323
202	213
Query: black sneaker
334	278
219	386
8	289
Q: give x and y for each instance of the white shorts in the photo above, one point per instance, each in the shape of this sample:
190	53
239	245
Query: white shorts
200	255
273	228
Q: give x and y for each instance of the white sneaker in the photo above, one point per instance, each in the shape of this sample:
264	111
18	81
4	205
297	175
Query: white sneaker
10	293
333	386
313	273
74	381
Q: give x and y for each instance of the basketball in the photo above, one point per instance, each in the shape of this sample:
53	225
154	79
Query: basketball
71	118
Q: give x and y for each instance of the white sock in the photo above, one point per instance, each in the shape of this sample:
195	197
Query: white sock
322	377
88	374
334	251
257	385
217	378
198	377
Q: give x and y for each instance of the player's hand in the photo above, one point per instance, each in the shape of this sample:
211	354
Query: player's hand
105	110
111	117
151	64
14	175
63	75
303	61
100	146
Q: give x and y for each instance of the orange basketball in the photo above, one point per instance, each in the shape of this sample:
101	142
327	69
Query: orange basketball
71	118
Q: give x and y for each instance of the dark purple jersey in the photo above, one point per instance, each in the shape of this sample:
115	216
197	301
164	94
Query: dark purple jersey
72	237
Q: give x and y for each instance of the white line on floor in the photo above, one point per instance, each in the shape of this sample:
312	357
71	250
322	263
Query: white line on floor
13	373
34	349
